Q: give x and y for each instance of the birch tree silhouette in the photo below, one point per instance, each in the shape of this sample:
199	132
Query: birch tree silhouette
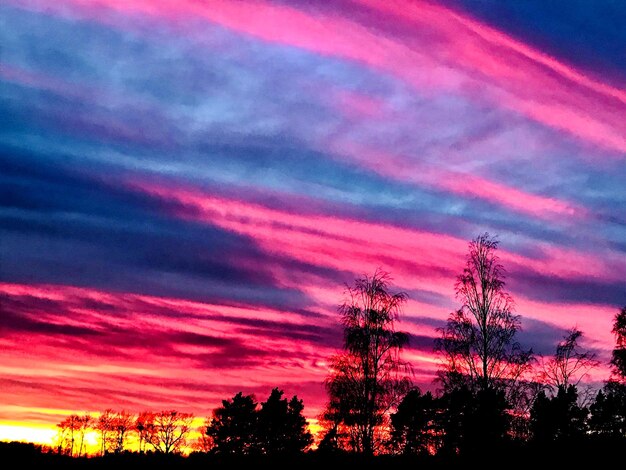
478	342
369	377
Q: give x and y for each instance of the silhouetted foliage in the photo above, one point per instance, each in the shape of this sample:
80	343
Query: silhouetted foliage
114	429
455	405
520	399
489	420
66	435
19	454
282	428
618	360
608	412
569	365
414	426
278	427
366	380
84	424
472	420
478	342
330	442
233	427
558	418
583	454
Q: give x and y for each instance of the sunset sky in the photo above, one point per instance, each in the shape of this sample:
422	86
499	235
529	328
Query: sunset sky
186	186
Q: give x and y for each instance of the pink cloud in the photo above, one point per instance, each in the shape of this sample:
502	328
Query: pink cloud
136	357
404	168
153	363
534	84
357	105
446	52
325	240
594	321
417	258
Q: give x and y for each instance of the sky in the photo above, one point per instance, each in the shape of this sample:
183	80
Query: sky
187	186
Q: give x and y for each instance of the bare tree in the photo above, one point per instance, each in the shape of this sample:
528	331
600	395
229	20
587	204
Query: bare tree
84	425
367	380
67	430
478	342
122	423
171	429
103	426
71	434
569	365
144	427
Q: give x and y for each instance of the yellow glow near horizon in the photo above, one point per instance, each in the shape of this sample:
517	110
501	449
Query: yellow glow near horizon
27	432
45	433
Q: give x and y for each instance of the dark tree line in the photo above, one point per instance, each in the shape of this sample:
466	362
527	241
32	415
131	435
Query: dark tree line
241	427
491	390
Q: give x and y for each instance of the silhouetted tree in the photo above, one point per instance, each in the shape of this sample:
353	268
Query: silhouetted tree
488	422
144	427
608	412
122	423
414	428
366	380
170	431
233	427
569	365
618	361
104	427
558	418
478	342
282	429
72	431
301	438
472	420
66	437
456	407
